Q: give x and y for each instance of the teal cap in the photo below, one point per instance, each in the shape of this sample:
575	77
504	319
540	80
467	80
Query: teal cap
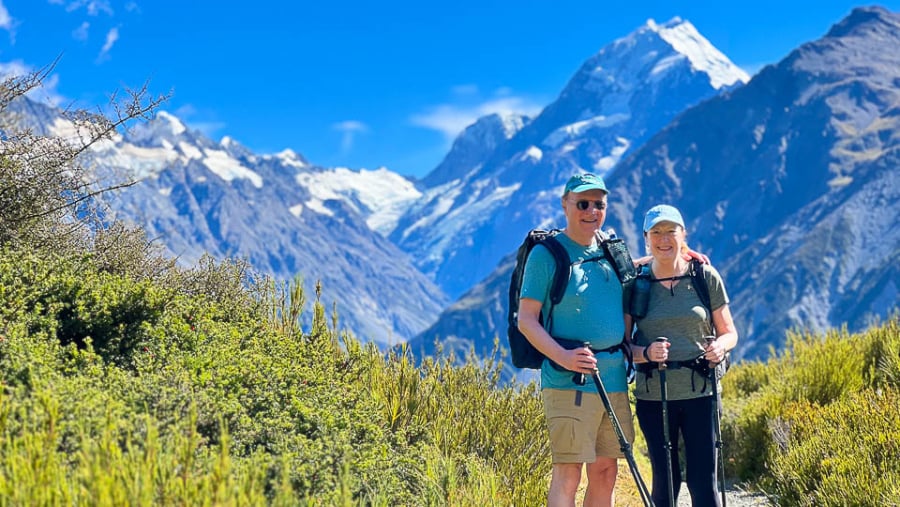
584	182
662	213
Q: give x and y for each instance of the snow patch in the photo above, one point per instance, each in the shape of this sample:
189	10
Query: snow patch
577	129
318	206
66	129
512	123
439	201
289	157
533	153
381	196
703	56
758	133
190	151
604	164
143	162
461	218
174	124
227	168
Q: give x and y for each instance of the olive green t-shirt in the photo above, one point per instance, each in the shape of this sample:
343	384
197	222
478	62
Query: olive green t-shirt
678	315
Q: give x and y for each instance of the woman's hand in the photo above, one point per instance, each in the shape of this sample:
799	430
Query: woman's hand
658	351
715	352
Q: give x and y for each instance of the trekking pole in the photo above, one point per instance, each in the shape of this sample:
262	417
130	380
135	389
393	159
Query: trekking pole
664	398
717	423
623	442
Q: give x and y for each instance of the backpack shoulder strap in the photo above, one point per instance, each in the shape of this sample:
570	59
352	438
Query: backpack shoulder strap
639	296
700	280
563	268
701	285
643	270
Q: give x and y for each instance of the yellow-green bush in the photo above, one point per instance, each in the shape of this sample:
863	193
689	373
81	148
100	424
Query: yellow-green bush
788	420
843	453
198	386
471	419
211	395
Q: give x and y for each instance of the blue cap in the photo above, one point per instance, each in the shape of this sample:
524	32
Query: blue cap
662	213
584	182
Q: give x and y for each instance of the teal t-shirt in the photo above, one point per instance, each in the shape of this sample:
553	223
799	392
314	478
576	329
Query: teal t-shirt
591	311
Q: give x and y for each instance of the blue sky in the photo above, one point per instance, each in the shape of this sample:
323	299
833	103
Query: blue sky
356	83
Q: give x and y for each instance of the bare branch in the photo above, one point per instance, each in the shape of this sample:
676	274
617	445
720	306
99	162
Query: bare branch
46	191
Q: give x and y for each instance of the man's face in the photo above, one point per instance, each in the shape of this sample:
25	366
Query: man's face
585	213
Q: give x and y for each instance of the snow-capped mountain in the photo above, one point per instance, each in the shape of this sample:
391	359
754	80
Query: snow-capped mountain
481	202
790	183
473	146
284	215
381	196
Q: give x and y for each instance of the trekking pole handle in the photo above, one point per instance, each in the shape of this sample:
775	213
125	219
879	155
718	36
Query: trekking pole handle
661	339
709	339
579	378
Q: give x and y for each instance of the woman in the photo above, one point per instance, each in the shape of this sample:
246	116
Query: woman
675	311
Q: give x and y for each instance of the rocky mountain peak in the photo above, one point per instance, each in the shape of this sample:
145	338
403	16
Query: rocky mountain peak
863	19
648	55
163	127
474	145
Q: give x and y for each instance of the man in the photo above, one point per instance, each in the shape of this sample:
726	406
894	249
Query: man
591	310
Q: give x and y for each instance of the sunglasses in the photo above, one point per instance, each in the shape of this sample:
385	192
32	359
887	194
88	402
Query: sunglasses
584	205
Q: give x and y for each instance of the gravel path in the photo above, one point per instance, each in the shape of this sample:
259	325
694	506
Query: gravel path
735	497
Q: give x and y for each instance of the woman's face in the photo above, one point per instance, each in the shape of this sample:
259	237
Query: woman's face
665	241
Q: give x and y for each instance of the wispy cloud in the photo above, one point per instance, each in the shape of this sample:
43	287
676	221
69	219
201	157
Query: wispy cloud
6	21
350	129
81	33
111	37
452	118
46	93
93	7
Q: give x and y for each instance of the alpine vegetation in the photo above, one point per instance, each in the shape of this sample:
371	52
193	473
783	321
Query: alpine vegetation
126	379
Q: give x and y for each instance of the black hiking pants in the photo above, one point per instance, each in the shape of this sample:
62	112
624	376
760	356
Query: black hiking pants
692	419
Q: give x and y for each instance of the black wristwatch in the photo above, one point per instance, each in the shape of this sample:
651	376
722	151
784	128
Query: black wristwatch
646	358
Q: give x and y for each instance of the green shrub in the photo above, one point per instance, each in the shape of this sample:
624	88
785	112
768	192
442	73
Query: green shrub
470	420
844	453
201	386
813	371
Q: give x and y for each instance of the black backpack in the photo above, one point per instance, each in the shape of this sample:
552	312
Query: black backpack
522	352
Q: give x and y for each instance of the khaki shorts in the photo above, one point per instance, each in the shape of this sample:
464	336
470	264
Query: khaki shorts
580	429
